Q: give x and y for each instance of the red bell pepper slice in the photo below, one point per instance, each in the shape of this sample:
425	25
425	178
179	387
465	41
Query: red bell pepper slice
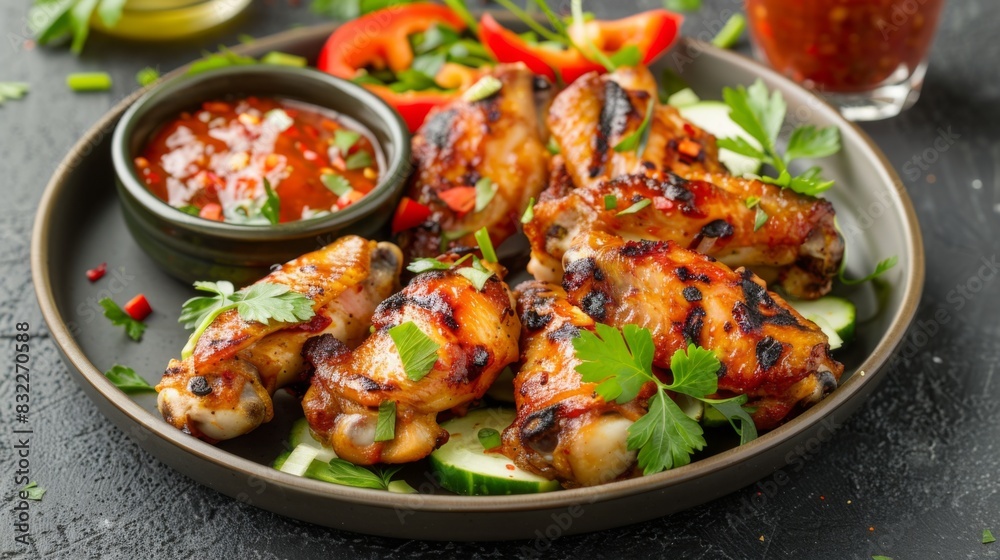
138	308
460	199
409	214
98	272
381	40
652	33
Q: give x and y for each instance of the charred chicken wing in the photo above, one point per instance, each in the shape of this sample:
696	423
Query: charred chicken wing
224	389
476	333
500	139
767	350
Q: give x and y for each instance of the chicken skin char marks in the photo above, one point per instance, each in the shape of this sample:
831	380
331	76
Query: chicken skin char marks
477	333
501	138
767	350
225	388
694	201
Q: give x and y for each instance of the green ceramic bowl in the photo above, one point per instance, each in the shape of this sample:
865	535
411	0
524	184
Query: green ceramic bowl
191	248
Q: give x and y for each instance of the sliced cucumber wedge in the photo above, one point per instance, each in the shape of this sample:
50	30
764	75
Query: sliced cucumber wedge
836	316
299	460
691	406
464	467
713	418
713	116
300	435
683	98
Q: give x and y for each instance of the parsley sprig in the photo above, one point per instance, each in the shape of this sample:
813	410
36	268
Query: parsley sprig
761	113
621	363
126	379
261	303
120	318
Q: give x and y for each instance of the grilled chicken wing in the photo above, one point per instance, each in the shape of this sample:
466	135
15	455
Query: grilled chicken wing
477	332
768	351
695	202
563	429
224	389
501	138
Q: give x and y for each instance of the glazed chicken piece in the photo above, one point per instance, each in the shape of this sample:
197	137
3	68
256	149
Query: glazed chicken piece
501	138
797	247
224	389
477	334
767	350
695	202
563	429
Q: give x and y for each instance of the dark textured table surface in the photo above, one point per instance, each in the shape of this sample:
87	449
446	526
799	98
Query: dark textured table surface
913	475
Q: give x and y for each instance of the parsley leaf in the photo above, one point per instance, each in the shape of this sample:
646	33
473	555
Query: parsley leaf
694	371
880	268
529	212
271	208
485	191
119	318
620	369
385	427
733	410
637	140
809	142
12	90
126	379
259	302
33	491
631	209
416	350
665	436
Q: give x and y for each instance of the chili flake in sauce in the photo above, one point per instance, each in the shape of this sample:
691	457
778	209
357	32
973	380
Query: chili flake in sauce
212	162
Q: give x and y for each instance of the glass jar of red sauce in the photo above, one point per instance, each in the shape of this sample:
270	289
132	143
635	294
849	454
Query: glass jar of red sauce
868	56
259	161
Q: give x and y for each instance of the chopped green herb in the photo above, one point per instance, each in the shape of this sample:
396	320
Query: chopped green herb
489	438
752	201
416	350
878	557
284	59
89	81
33	491
552	146
12	90
610	202
126	379
337	184
682	5
620	362
486	245
344	140
635	207
358	160
348	474
880	268
119	318
988	537
477	273
730	32
259	302
637	140
529	212
221	59
759	218
271	208
190	209
485	191
425	264
51	21
486	87
385	427
147	76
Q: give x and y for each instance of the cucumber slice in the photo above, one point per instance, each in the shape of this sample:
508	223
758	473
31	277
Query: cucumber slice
832	314
300	435
683	98
299	460
502	388
713	116
691	406
464	467
713	418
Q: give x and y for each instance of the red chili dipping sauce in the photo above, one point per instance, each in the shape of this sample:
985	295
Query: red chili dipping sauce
844	45
259	160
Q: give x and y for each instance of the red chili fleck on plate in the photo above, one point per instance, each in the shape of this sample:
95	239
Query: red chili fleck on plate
98	272
510	467
138	308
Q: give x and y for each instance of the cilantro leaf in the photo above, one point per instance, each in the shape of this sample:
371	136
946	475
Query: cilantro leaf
119	318
416	350
733	410
636	141
271	208
126	379
33	491
485	191
529	212
759	114
620	369
741	146
665	436
12	90
631	209
694	371
880	268
809	142
385	427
